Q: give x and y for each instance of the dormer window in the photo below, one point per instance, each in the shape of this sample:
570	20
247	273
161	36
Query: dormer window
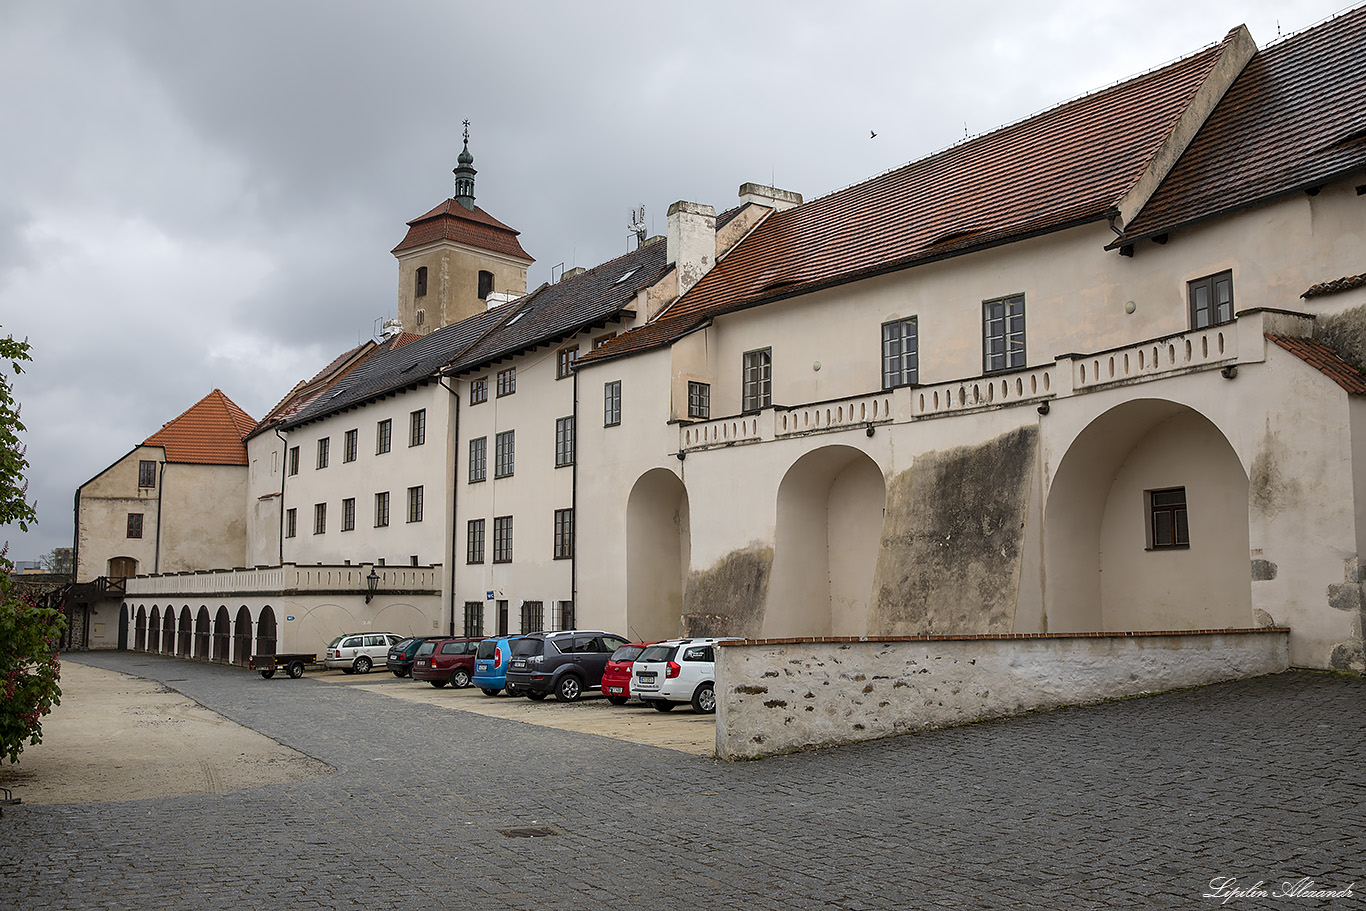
485	284
420	282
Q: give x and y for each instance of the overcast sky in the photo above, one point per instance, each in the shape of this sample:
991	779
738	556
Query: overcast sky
204	194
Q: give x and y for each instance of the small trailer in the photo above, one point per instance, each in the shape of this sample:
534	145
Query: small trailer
291	664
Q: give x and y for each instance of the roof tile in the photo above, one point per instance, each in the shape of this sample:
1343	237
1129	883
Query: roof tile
209	433
474	227
1325	360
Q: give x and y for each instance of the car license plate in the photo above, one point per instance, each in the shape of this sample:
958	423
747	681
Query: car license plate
519	663
615	690
422	664
647	678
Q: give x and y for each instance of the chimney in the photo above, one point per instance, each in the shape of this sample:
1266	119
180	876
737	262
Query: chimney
774	198
691	242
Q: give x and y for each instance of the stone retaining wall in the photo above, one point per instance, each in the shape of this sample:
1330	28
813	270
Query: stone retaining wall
782	695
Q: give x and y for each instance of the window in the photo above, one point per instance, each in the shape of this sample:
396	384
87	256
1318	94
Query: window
533	616
420	282
564	534
474	618
502	618
503	454
417	427
1211	300
611	403
603	339
757	379
1167	526
349	445
564	362
349	514
502	539
291	522
485	284
564	442
135	525
319	518
293	460
900	353
474	541
566	615
384	435
507	381
415	504
412	561
324	445
479	390
421	317
699	400
479	449
382	510
147	473
1003	333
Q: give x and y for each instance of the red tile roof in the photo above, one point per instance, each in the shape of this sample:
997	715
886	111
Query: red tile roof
209	433
1325	360
1067	166
473	227
1336	286
1292	120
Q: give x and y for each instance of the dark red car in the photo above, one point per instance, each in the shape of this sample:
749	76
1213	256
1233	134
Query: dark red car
616	677
443	661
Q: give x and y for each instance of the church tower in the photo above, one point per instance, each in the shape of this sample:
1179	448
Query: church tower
457	260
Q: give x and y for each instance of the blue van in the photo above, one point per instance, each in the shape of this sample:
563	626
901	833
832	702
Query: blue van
491	664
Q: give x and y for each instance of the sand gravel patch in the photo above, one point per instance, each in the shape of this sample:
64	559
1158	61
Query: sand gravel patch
116	737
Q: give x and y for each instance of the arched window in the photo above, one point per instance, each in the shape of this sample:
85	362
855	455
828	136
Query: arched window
420	282
485	284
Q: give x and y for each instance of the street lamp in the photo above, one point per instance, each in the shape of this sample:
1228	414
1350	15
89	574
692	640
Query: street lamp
371	583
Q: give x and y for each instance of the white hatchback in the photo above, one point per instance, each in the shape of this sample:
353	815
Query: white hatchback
356	653
676	671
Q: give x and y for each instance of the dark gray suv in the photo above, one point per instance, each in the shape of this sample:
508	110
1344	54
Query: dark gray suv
564	663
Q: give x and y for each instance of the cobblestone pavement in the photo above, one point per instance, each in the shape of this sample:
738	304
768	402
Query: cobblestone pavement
1133	804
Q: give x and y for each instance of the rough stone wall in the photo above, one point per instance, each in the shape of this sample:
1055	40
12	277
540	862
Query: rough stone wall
1345	333
949	559
728	598
784	696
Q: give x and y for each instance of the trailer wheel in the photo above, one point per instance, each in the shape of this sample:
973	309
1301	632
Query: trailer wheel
267	672
295	669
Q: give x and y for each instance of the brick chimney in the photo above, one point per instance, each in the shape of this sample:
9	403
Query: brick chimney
692	241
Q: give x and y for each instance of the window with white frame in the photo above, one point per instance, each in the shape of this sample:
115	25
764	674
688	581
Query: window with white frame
611	403
900	353
479	390
699	400
1003	333
757	380
564	441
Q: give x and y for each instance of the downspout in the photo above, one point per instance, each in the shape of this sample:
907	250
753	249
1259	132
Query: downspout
156	553
574	505
455	487
76	539
284	473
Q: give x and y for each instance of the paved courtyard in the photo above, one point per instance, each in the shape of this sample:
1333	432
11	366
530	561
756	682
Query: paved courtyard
1134	804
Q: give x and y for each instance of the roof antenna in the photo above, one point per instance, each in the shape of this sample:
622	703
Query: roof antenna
637	225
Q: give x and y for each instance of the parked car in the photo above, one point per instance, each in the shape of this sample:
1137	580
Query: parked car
400	657
356	653
676	671
616	675
491	664
443	661
565	663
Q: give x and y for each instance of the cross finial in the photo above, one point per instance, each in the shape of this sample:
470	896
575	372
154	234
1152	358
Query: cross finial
467	132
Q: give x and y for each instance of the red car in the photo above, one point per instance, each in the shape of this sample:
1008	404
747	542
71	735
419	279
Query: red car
443	661
616	677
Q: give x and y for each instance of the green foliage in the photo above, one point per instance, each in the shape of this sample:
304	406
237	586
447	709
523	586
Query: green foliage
29	635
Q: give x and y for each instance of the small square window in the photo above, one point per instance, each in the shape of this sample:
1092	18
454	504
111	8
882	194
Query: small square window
479	390
1211	300
699	401
603	339
135	525
1168	527
147	473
